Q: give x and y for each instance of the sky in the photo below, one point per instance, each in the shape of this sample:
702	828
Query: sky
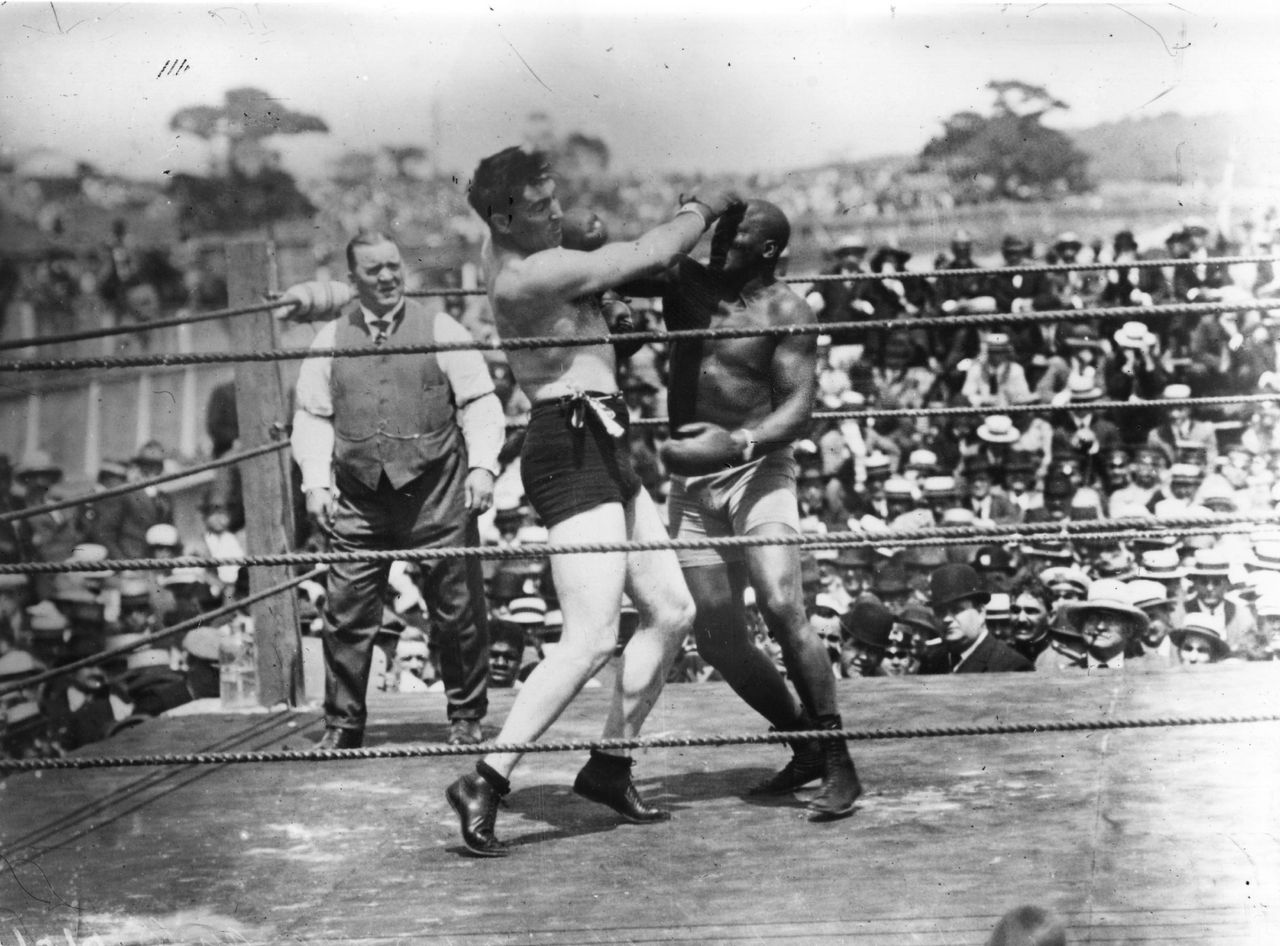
689	86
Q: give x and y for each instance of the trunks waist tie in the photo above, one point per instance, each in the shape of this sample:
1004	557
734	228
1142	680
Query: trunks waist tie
580	404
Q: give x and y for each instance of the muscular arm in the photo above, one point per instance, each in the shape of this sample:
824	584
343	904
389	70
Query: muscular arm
568	274
794	378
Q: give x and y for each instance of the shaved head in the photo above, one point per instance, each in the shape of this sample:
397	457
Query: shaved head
773	221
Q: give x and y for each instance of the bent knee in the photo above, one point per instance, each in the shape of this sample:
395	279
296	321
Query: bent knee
676	615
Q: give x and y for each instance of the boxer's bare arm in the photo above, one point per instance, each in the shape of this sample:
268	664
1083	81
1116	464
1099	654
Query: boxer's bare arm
559	275
794	376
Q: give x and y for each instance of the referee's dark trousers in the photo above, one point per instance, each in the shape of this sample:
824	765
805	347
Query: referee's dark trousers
426	512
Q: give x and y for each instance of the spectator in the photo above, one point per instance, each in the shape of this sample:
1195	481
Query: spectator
959	600
867	628
1200	640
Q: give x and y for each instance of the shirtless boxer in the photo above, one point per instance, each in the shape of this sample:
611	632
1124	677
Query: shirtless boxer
735	407
577	474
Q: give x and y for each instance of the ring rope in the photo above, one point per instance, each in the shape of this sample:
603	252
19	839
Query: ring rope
558	341
223	611
982	533
228	459
962	273
1039	407
165	632
143	326
1028	268
815	278
430	750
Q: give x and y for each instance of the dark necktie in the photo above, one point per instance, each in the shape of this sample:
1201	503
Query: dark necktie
381	328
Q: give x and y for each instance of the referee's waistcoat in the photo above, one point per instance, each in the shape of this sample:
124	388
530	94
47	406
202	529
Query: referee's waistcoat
392	414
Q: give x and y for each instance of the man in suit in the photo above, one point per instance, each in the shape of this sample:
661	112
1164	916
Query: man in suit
397	451
959	600
121	522
1105	624
987	504
1182	428
1209	577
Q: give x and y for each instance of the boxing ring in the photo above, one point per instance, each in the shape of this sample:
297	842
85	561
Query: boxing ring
1142	807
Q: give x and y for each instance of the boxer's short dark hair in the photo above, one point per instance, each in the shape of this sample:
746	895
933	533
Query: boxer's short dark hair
500	179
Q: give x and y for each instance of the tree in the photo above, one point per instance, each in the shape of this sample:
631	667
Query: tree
246	117
1008	153
246	188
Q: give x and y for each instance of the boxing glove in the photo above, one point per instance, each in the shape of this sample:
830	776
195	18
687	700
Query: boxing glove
315	301
701	448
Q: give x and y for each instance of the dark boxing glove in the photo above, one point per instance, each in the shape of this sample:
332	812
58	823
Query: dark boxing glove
701	448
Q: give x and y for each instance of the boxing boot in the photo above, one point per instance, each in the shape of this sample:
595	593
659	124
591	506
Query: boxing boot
606	779
806	764
840	786
475	799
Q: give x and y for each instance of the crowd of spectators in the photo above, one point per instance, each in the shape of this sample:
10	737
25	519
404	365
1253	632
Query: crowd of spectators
1056	606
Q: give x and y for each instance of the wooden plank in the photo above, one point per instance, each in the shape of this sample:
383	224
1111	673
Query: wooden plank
262	405
1135	836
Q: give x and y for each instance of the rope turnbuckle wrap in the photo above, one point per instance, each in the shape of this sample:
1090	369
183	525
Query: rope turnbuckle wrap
657	742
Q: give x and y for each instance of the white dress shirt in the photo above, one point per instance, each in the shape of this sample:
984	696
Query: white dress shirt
479	410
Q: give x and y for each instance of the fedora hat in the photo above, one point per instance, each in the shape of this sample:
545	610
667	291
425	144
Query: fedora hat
1146	593
920	618
998	428
868	623
1065	575
954	581
151	453
1206	626
1080	335
1107	595
890	579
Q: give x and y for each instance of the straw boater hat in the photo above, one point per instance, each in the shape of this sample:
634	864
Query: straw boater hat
998	608
1161	565
1176	391
1105	594
922	460
999	341
939	486
876	466
37	463
163	535
1210	563
1134	335
998	428
1265	556
1207	627
1083	390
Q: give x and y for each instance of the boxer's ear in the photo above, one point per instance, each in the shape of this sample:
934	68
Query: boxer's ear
501	223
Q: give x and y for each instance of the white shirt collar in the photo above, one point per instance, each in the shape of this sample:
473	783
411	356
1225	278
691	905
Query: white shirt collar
370	318
972	647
